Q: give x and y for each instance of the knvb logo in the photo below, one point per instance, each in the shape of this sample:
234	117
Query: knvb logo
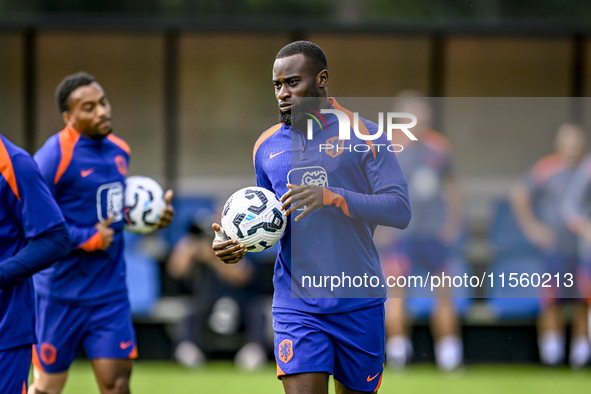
345	129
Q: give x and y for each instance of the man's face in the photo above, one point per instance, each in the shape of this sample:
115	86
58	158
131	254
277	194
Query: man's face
570	142
293	79
89	111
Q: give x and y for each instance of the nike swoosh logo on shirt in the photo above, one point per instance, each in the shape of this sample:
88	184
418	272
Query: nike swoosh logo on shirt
85	173
125	345
370	379
272	155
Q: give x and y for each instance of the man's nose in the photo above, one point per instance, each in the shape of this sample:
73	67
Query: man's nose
283	92
102	110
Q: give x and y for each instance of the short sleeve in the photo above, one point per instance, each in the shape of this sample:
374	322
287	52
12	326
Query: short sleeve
261	177
38	209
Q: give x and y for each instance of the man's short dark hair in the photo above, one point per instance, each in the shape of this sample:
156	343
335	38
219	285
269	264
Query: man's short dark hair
68	85
311	51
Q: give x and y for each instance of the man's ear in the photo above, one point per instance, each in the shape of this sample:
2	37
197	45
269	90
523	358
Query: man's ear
322	79
66	117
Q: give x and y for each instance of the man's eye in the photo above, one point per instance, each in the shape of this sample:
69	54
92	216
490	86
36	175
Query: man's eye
293	83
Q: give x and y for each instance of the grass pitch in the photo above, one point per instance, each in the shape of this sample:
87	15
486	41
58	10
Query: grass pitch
222	377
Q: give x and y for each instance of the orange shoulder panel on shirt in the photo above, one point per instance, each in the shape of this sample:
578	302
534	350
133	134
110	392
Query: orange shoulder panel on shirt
362	129
263	137
546	167
7	170
68	138
119	142
329	198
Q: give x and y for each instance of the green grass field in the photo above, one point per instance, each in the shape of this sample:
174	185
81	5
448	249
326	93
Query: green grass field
221	377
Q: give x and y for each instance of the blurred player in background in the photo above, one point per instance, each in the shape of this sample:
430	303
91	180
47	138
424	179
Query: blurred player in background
537	202
82	300
576	208
319	337
436	201
33	235
223	299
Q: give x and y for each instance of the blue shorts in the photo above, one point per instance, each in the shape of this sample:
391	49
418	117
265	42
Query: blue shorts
565	266
14	366
422	255
103	331
349	346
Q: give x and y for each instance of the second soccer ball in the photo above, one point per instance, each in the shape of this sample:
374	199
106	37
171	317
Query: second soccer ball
144	203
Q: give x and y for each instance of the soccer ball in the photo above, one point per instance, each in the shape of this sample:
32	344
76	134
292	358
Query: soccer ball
253	216
144	203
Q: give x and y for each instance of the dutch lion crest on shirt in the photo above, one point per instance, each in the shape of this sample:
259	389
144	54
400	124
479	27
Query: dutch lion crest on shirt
109	201
337	146
316	176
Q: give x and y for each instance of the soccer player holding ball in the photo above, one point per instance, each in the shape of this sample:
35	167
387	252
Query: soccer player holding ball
82	300
33	235
333	225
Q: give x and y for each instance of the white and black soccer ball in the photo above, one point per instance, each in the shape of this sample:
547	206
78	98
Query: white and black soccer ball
253	216
144	203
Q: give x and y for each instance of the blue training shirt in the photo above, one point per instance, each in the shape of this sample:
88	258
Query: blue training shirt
576	205
426	164
361	189
87	178
27	211
546	184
